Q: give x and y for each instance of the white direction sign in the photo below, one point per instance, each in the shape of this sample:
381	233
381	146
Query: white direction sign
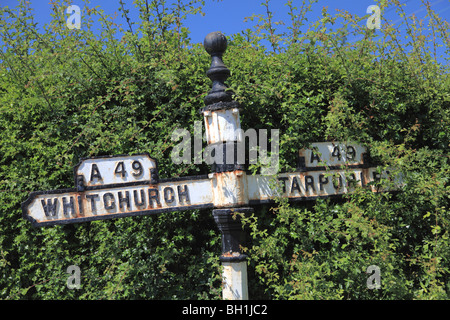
70	206
120	186
115	170
309	185
332	154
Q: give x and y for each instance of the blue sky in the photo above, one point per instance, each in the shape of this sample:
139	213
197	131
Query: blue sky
228	15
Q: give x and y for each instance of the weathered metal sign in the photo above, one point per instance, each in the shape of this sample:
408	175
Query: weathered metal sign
96	201
309	185
119	186
332	155
65	206
98	172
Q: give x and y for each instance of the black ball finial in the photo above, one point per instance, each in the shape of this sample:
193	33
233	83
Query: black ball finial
215	43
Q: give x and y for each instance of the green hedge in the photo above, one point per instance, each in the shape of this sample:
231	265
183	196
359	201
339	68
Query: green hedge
67	94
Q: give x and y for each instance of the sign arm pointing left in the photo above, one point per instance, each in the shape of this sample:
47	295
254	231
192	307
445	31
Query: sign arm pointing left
114	187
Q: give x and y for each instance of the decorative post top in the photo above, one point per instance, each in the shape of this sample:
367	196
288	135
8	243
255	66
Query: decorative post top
215	44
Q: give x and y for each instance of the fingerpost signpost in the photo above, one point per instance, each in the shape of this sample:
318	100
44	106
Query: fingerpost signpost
118	186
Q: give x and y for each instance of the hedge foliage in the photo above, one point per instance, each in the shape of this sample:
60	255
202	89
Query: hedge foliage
67	94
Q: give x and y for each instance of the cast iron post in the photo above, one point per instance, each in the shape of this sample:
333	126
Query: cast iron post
223	133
